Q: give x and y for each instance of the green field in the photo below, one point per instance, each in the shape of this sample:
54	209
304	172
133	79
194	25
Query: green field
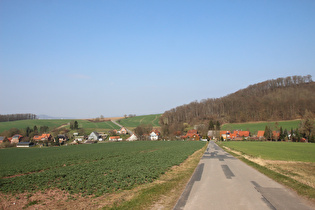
287	151
90	126
133	122
253	127
90	169
97	125
22	124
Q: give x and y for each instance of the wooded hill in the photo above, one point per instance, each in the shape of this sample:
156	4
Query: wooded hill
279	99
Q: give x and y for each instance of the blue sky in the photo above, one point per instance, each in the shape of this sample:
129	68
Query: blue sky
84	59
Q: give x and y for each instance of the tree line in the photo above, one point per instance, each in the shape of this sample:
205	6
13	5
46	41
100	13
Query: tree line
280	99
15	117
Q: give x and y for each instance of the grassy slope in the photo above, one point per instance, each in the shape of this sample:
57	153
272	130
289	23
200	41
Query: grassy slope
22	124
287	151
253	127
133	122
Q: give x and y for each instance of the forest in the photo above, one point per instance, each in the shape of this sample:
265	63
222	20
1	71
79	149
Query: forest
278	99
14	117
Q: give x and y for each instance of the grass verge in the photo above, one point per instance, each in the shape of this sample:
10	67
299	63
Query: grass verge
302	189
163	193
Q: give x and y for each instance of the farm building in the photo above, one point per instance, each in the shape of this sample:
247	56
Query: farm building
24	144
79	138
213	134
94	136
115	138
133	137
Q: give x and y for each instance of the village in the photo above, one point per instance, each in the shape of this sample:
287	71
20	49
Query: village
47	139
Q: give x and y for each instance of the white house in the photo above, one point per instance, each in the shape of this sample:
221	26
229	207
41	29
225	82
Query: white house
154	135
133	137
94	136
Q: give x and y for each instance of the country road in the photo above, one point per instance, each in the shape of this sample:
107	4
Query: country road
223	182
129	131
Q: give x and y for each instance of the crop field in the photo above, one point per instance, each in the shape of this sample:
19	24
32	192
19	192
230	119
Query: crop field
90	169
133	122
253	127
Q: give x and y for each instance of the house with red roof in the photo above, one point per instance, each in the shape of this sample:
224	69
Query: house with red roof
115	138
225	134
155	134
16	138
261	135
43	137
192	135
239	135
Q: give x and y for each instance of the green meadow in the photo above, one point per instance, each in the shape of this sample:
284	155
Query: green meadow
52	124
254	127
286	151
133	122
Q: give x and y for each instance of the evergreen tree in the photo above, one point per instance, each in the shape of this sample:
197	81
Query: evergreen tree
28	131
281	134
268	133
35	130
218	126
76	125
211	125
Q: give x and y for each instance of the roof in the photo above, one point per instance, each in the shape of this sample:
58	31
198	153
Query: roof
17	136
24	143
97	134
43	136
240	134
190	133
155	131
260	133
114	137
225	132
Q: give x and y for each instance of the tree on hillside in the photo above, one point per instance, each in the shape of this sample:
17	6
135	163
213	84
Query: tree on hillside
28	131
35	130
43	129
142	130
268	133
211	125
76	125
266	101
307	125
218	126
281	134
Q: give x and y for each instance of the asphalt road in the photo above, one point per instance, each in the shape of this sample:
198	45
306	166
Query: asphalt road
224	182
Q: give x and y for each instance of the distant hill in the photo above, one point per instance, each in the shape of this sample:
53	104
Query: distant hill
279	99
46	117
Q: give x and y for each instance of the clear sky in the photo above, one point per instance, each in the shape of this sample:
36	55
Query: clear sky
83	59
